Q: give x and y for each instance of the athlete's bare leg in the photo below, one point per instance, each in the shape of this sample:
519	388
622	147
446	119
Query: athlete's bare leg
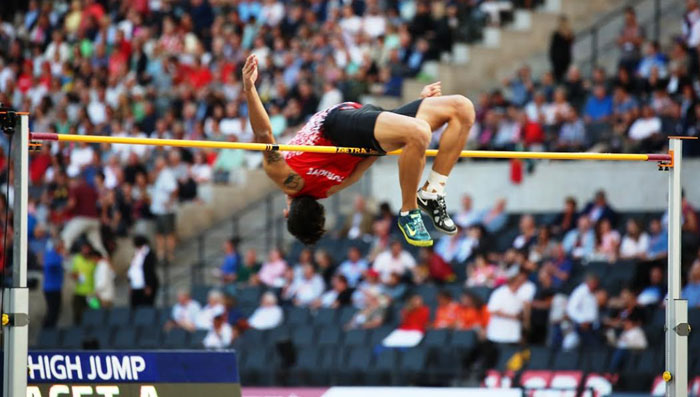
458	112
394	131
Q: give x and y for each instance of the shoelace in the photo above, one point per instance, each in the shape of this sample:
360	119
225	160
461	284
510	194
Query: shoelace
442	207
418	224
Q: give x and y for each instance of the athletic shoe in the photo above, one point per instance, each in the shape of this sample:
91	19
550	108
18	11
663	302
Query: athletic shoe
414	230
437	210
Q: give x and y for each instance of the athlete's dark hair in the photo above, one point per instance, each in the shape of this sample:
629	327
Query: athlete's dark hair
306	219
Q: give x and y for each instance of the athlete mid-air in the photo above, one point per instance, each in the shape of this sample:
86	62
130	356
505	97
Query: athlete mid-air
306	177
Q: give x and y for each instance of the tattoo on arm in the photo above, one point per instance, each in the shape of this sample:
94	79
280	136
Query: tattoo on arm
293	181
273	157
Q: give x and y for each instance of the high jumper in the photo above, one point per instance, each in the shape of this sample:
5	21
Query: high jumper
307	177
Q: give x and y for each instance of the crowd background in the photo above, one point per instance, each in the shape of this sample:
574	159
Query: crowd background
170	69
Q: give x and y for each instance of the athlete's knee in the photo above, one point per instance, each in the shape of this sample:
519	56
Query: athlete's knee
419	134
463	109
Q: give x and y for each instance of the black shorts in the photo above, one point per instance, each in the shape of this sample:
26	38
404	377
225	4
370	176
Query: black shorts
355	127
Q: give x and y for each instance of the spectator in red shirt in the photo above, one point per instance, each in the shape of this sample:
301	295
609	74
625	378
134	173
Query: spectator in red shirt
438	268
415	316
82	207
448	311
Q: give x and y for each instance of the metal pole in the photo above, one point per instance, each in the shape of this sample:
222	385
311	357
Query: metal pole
657	20
594	47
268	222
16	299
676	374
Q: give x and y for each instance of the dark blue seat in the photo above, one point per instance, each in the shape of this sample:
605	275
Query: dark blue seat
49	338
248	296
124	338
377	335
565	360
428	292
436	338
539	358
595	360
482	292
329	336
197	339
303	335
149	338
463	340
101	335
382	372
355	337
119	317
175	339
505	352
345	315
73	338
145	317
253	337
199	293
297	316
325	316
93	318
279	334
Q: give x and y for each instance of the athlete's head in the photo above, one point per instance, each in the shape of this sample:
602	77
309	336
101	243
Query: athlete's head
306	219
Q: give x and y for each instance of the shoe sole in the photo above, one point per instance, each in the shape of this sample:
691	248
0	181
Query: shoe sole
415	243
426	212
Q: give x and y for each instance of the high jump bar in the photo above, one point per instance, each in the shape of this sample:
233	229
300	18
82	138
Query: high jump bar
263	147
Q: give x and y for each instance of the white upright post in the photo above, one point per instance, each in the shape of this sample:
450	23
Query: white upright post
16	299
677	329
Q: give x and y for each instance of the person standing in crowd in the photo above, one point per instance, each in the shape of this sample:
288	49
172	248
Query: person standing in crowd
506	311
104	280
82	206
83	272
582	310
53	282
143	280
560	47
232	261
163	203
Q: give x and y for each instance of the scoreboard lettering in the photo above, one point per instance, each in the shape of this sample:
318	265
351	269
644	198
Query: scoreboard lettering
133	374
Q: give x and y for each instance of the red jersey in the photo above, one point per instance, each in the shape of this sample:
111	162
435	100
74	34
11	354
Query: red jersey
320	171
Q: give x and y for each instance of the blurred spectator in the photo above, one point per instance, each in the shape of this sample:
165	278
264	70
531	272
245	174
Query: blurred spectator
473	313
415	318
599	106
691	24
572	134
528	233
481	273
607	240
232	261
272	271
394	260
466	216
214	307
83	272
600	209
395	289
691	291
163	200
447	314
305	288
338	296
653	59
635	242
544	247
630	40
495	218
326	265
582	310
354	267
645	132
654	292
539	310
568	219
559	267
560	47
184	313
455	249
580	242
505	311
359	223
494	9
143	280
104	280
248	271
220	335
438	269
268	315
53	282
658	241
373	313
82	205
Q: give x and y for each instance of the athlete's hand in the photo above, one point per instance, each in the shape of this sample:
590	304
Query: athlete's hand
431	90
250	72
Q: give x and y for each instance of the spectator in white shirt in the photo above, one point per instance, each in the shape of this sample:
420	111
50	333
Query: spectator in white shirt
306	288
331	96
163	201
214	307
467	216
268	315
635	243
104	280
201	170
645	132
393	260
506	310
185	312
220	335
582	310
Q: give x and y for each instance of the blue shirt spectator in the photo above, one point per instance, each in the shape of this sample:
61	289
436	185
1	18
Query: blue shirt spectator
691	291
580	242
354	267
599	105
231	261
653	58
53	270
658	240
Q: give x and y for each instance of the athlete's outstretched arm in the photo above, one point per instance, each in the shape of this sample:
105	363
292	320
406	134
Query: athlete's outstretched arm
273	163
